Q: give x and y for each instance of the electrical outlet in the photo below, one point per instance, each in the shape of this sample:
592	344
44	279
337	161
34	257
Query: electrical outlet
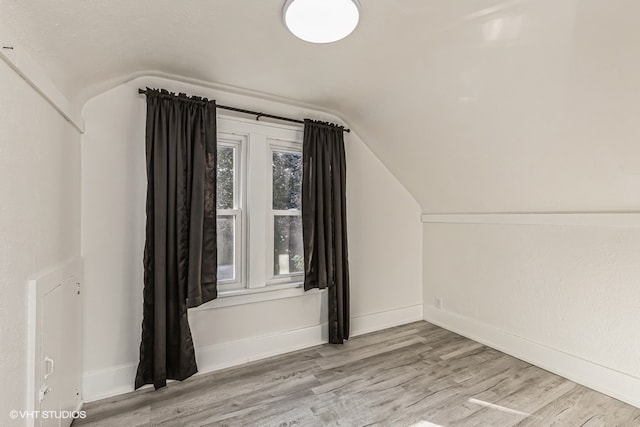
439	303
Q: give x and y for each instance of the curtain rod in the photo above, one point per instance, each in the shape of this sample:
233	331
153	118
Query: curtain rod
258	114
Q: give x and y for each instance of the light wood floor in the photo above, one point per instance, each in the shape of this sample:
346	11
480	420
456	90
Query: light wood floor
411	375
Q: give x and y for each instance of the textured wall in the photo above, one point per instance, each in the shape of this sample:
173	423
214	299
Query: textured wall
39	215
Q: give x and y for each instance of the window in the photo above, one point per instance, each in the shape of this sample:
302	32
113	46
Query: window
259	201
286	212
229	211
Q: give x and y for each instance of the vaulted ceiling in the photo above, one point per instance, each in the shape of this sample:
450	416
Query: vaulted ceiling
474	105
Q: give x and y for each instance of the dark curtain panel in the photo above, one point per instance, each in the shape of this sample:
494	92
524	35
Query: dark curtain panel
180	263
324	221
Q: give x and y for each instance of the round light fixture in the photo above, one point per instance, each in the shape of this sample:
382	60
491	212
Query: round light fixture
321	21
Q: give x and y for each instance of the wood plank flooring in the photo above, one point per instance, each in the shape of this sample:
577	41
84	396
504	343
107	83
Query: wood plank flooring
412	375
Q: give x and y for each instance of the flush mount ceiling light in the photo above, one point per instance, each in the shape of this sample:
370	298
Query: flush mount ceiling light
321	21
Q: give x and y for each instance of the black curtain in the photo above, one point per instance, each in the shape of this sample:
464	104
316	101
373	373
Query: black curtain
180	263
324	221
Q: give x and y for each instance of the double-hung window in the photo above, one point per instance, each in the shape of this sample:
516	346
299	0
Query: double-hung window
259	201
230	214
285	217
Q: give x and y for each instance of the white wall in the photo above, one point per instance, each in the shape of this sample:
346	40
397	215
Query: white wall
557	295
384	233
39	215
532	106
524	105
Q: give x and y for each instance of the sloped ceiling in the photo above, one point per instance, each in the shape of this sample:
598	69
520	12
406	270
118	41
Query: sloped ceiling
475	105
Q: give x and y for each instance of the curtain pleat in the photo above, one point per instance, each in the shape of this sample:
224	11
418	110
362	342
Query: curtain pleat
180	259
324	221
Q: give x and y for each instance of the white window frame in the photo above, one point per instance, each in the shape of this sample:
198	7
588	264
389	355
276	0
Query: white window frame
281	146
238	142
255	191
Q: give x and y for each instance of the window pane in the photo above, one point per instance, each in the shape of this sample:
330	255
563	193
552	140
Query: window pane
288	256
226	247
225	176
287	180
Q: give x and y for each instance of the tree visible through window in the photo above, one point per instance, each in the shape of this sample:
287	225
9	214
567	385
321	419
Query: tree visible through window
225	190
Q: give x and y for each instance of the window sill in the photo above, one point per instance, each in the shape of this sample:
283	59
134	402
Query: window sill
251	296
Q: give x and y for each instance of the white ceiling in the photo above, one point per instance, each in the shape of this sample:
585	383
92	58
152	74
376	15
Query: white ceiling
475	105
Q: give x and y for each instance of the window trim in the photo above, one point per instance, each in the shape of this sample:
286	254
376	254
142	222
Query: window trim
256	138
269	293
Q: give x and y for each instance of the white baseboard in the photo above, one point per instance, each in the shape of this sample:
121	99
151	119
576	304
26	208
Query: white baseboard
224	355
103	383
616	384
117	380
385	319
